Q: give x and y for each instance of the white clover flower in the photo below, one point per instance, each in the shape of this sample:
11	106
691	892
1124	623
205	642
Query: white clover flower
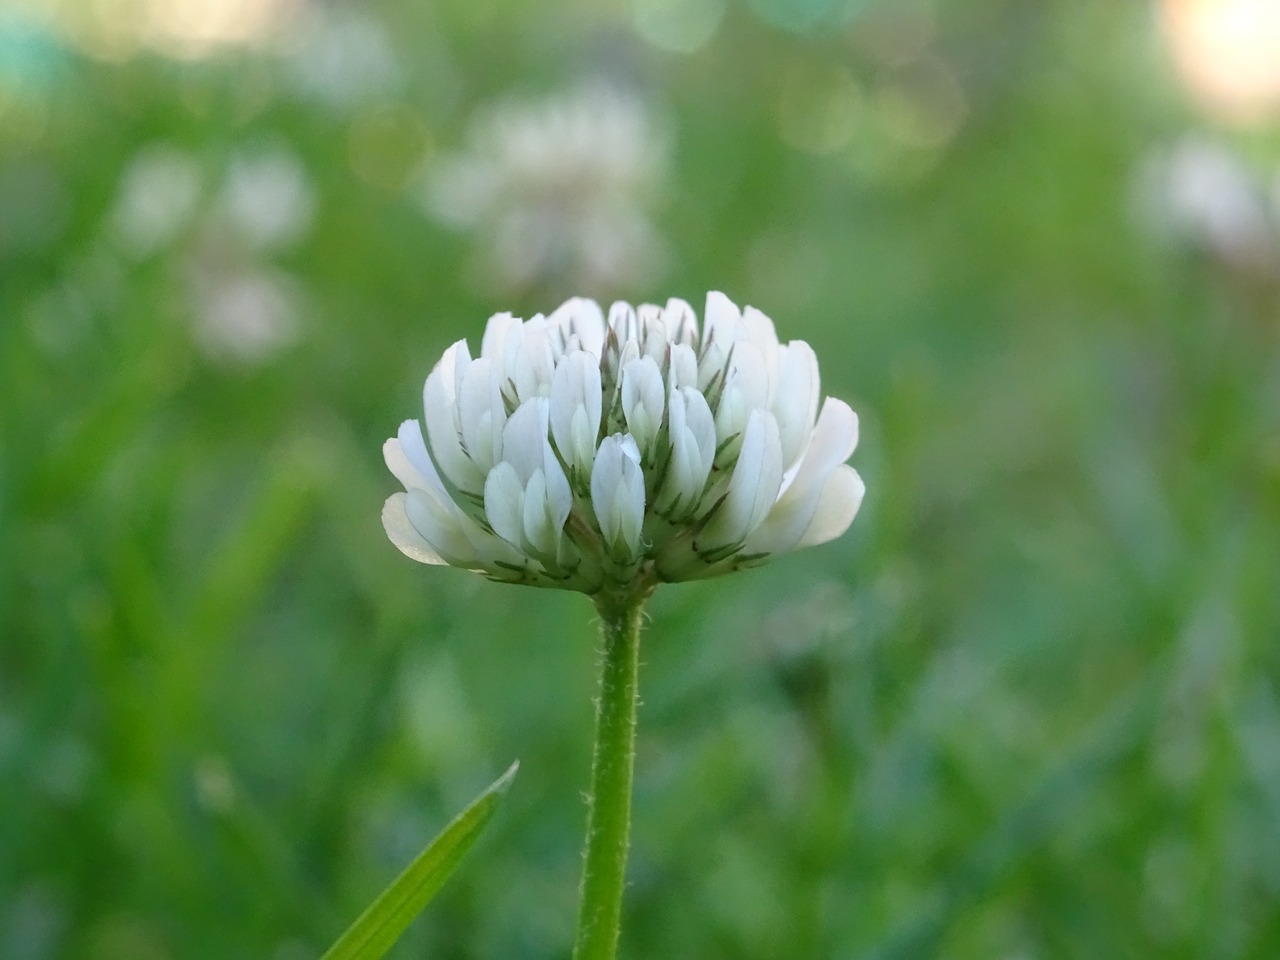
591	454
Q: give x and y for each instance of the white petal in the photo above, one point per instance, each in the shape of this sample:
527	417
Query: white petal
617	494
505	347
535	491
681	322
449	534
538	530
606	476
692	434
759	330
745	391
440	409
749	373
653	333
629	447
642	400
496	332
684	367
580	443
581	318
795	402
720	321
525	436
403	533
481	413
835	436
833	440
504	504
414	449
559	498
753	488
677	485
534	362
547	501
700	423
841	497
576	408
630	507
623	322
399	463
439	522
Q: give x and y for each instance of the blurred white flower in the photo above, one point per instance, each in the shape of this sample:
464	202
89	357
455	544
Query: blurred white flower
268	197
219	241
244	316
590	454
1201	192
559	189
342	58
156	199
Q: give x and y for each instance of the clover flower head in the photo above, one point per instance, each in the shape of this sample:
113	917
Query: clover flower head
589	452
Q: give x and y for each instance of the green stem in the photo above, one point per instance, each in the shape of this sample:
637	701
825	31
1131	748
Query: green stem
609	803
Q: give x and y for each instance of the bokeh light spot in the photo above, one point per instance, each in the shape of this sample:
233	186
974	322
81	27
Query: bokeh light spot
805	15
924	107
185	29
386	146
895	36
818	108
676	25
1228	53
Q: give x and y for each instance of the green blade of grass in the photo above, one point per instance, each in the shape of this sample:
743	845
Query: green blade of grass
378	928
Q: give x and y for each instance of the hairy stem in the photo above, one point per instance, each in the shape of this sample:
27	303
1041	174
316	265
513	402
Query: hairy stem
609	802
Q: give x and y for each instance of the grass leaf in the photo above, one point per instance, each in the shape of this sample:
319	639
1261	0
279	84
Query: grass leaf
378	928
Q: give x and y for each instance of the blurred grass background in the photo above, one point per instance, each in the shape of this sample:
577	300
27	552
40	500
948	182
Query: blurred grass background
1026	708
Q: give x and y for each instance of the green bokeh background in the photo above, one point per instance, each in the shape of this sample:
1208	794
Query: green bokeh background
1026	708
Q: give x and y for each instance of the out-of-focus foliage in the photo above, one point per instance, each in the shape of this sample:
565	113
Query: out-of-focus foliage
1028	707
